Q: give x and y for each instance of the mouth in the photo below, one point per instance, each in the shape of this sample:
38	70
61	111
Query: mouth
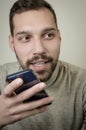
39	65
39	62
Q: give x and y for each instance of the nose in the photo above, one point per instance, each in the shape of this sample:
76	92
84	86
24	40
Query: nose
38	46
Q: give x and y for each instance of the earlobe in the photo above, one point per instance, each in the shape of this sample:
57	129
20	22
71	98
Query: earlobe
11	43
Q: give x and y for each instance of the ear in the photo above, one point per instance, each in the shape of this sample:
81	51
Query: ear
59	35
11	42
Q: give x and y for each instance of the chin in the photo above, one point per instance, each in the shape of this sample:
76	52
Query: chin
43	75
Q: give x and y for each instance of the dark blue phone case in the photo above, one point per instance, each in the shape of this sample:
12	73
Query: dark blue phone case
29	81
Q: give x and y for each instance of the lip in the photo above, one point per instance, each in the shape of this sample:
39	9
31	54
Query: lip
39	65
39	62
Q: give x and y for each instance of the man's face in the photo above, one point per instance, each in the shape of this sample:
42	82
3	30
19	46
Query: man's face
36	41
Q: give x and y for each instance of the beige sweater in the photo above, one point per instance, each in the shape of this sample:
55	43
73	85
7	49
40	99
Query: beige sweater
68	111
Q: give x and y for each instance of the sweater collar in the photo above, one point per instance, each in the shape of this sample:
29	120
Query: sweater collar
54	75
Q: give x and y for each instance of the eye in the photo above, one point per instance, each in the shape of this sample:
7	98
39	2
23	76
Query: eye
24	38
49	35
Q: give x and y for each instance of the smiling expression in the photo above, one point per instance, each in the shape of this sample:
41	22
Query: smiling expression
36	41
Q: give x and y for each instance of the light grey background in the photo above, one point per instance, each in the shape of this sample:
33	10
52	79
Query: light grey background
71	15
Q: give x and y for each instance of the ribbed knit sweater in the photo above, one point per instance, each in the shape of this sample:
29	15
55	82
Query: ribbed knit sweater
68	111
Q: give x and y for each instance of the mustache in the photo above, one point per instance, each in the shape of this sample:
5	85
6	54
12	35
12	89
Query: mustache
39	56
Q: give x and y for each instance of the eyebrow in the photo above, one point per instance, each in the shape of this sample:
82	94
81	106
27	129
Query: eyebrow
44	30
49	29
22	32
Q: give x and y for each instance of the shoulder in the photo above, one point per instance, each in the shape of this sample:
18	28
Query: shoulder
5	70
9	67
73	70
71	67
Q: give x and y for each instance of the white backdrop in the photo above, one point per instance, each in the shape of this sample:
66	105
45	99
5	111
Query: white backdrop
71	15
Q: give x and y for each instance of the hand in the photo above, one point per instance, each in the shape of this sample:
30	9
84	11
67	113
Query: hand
12	108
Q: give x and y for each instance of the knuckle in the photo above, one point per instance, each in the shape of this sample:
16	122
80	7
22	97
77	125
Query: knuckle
6	90
19	117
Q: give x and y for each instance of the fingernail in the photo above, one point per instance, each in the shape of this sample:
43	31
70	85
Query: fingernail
42	85
19	80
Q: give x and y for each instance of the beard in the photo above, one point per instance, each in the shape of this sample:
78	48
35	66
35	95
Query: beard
42	75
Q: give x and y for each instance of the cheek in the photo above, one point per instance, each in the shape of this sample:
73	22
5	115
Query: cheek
54	49
23	53
24	49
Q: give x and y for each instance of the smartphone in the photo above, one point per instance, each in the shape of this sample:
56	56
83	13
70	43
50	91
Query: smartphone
30	80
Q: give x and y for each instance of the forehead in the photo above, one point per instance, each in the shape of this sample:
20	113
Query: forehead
33	20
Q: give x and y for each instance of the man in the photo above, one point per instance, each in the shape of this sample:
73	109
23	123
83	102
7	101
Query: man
35	39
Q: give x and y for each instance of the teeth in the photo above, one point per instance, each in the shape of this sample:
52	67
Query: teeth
39	63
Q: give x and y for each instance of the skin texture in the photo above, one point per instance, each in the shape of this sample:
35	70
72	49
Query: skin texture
12	109
36	43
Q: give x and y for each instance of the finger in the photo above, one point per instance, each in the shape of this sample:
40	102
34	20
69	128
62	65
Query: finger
39	103
31	105
11	87
25	114
29	92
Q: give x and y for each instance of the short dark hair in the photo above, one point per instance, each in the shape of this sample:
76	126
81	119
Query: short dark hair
24	5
